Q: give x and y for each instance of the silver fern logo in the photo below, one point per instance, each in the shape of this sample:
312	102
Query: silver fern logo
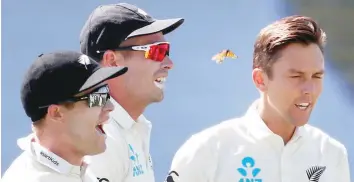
314	173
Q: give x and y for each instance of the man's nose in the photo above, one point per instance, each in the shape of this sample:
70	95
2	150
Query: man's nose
167	63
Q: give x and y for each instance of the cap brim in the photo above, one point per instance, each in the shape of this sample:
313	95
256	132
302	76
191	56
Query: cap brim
101	75
164	26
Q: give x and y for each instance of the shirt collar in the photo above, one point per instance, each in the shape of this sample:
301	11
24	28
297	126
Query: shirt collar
48	158
121	116
259	129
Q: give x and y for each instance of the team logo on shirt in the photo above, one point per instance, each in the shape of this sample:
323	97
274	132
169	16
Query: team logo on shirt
249	171
134	157
172	177
314	173
102	180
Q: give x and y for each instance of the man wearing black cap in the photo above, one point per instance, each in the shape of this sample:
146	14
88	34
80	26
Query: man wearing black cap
67	99
125	35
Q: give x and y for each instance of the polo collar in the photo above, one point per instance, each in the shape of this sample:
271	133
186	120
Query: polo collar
259	129
48	158
121	116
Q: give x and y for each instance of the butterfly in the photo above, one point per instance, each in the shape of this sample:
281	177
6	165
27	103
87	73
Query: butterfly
220	56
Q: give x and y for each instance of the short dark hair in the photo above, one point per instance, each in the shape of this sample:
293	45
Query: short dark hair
278	35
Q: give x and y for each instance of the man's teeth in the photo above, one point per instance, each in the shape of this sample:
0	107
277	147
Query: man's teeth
99	129
159	82
161	79
302	106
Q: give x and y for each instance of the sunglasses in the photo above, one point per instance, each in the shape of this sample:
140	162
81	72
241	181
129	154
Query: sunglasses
97	98
156	51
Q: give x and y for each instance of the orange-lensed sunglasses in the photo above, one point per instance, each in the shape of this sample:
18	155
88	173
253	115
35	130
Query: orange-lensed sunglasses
156	51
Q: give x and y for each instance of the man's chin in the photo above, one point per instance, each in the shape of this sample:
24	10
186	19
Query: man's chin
157	98
300	119
160	99
299	123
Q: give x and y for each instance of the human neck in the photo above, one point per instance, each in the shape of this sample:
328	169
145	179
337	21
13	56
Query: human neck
277	125
133	107
56	145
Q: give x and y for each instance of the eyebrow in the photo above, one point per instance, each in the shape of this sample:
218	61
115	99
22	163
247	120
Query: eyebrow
321	72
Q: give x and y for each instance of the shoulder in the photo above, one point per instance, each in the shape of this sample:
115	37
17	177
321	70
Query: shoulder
50	176
26	169
22	164
211	136
195	160
328	143
219	130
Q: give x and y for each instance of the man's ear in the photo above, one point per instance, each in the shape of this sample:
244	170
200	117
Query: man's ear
112	59
55	112
260	79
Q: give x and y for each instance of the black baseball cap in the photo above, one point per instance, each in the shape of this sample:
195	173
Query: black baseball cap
57	76
109	25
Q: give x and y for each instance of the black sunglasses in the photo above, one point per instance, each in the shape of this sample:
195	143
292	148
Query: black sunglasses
97	98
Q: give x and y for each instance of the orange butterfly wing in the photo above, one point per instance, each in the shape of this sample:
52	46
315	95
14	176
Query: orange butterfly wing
219	57
230	54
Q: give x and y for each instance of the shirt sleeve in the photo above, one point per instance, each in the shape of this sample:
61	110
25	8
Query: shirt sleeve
194	161
342	172
111	165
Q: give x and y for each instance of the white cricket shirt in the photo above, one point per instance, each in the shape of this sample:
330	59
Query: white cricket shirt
127	157
245	150
37	164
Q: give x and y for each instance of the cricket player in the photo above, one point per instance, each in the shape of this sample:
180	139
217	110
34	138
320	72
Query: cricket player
65	95
272	141
125	35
